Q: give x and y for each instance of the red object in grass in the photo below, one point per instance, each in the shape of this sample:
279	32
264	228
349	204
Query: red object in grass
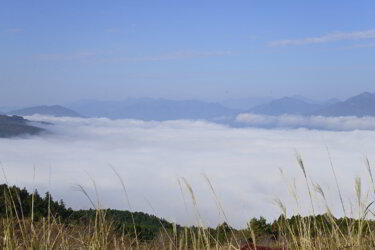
250	246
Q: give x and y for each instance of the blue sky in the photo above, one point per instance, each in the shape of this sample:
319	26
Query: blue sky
63	51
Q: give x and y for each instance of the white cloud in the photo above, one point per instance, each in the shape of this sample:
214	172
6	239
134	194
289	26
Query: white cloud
343	123
331	37
242	163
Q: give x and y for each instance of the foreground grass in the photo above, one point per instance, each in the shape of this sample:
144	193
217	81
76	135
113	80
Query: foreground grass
29	221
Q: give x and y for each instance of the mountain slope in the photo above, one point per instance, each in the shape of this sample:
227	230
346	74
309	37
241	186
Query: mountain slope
15	126
286	105
360	105
54	110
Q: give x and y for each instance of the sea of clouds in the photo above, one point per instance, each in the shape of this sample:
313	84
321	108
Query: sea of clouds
342	123
244	165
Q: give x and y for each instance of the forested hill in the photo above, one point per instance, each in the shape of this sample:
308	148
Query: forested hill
147	226
15	126
21	205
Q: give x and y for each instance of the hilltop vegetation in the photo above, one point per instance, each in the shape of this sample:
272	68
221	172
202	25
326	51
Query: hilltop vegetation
35	222
34	205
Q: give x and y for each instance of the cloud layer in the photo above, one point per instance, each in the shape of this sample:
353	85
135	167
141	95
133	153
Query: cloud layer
343	123
242	163
331	37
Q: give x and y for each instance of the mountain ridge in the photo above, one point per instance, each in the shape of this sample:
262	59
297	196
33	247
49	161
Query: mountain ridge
165	109
359	105
286	105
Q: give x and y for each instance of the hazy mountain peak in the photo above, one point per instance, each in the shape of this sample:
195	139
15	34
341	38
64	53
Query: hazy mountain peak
364	95
359	105
286	105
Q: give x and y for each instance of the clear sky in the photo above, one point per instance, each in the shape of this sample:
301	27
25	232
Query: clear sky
63	51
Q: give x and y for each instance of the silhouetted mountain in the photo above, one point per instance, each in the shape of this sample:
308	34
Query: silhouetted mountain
243	104
360	105
286	105
15	126
54	110
153	109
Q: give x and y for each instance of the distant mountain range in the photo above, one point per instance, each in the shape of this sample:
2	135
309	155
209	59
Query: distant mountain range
54	110
153	109
16	126
286	105
225	111
360	105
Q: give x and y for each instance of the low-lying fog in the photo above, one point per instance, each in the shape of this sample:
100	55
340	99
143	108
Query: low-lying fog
243	165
